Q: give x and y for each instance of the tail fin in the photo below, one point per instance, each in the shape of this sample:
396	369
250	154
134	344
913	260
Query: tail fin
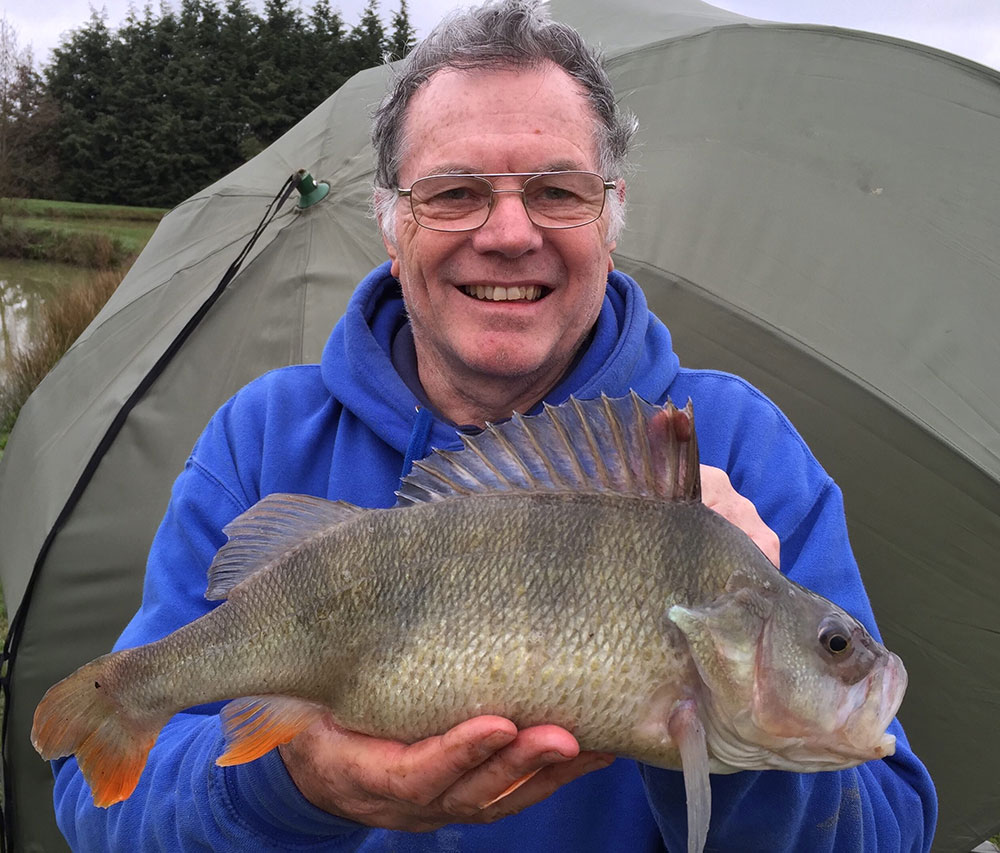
82	716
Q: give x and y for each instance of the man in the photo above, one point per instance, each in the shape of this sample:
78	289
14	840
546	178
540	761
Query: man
499	195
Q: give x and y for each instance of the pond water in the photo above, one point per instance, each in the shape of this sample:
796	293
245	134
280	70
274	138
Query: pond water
24	287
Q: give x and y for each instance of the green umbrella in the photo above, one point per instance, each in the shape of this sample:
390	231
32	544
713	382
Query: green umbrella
815	209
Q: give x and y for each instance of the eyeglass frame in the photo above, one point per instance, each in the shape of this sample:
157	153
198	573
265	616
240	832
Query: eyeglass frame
407	192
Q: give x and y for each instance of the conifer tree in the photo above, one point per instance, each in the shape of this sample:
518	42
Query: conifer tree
238	28
170	102
367	39
404	37
327	51
82	79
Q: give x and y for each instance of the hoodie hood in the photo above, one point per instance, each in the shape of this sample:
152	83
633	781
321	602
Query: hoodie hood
629	349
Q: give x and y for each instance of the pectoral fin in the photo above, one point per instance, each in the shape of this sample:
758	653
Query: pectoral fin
688	733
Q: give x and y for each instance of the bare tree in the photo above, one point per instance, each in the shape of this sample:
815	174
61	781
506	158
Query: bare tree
24	115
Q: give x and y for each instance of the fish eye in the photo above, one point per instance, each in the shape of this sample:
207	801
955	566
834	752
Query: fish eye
834	637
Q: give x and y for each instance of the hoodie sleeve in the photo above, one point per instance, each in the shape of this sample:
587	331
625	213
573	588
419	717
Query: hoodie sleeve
183	800
888	804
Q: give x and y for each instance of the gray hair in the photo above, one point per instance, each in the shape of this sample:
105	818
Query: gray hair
497	35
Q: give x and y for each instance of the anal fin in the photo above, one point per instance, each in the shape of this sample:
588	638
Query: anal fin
254	725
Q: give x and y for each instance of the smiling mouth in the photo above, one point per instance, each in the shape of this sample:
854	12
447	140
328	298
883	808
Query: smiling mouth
490	293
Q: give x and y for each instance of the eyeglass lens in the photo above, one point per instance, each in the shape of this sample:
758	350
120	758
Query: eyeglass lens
463	202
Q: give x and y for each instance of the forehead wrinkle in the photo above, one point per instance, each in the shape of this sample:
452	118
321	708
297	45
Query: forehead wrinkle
551	166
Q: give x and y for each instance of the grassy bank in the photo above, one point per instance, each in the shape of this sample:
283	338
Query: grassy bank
95	236
36	207
47	242
91	235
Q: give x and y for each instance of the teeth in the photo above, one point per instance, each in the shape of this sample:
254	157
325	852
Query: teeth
504	294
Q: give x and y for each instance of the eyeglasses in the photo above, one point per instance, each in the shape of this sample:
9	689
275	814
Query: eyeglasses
464	202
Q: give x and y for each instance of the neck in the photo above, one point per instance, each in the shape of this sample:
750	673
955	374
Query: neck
470	397
482	404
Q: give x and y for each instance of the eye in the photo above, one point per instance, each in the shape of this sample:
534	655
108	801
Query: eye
453	194
553	193
450	192
835	637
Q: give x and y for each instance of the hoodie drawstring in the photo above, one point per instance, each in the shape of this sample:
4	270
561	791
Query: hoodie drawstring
419	439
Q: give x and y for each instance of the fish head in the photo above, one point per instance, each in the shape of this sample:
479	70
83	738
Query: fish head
790	680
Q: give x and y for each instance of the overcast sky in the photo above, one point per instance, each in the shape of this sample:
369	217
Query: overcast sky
970	28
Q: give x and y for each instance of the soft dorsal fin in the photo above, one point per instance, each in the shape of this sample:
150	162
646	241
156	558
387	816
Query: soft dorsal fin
267	531
621	444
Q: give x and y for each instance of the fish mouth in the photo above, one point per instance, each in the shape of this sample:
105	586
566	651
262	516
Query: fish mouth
853	733
505	293
873	715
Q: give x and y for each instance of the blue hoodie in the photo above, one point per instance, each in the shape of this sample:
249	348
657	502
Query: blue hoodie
345	429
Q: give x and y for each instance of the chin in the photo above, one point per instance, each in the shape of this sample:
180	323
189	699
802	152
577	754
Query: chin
503	366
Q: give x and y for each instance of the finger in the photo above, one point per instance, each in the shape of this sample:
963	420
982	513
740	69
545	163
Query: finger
426	769
768	542
719	495
534	749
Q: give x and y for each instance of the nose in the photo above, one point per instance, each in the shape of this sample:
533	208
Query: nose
508	230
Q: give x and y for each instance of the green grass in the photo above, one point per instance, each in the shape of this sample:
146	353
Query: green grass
131	234
79	210
90	235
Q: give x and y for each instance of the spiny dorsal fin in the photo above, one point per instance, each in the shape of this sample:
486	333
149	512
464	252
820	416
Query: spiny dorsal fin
621	444
268	530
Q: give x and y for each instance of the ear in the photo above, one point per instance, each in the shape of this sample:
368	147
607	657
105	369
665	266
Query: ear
613	244
392	251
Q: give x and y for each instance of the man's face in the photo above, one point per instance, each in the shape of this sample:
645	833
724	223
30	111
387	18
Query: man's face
468	322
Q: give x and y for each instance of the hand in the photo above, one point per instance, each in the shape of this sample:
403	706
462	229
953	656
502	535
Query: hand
462	776
718	494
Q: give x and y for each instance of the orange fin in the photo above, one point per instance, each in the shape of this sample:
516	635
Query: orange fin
511	789
255	725
81	716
